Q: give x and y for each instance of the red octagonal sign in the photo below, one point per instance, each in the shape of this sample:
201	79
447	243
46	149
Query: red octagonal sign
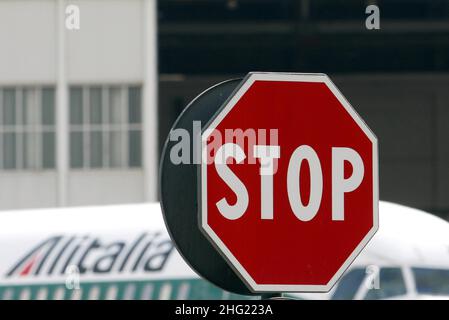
289	182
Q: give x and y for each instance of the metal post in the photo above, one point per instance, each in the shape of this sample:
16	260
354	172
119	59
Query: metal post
271	296
149	101
61	108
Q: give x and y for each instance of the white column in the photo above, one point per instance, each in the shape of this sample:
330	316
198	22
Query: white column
149	100
61	107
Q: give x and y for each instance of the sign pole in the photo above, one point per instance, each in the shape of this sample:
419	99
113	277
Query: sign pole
272	296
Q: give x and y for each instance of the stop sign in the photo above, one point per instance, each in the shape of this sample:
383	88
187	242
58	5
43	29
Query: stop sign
289	182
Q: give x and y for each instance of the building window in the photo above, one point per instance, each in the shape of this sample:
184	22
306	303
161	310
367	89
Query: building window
391	284
349	284
27	128
105	126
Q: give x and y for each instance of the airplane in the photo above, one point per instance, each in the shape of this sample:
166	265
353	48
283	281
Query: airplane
89	253
124	252
408	258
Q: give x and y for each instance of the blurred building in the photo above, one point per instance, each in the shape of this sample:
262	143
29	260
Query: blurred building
78	118
73	129
396	77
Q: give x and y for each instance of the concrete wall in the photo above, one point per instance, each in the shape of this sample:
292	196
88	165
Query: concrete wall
116	44
28	42
108	47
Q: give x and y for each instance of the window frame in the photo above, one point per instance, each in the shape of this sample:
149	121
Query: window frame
344	278
413	274
363	289
25	128
106	127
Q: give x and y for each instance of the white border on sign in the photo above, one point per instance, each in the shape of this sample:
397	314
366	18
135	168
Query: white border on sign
213	237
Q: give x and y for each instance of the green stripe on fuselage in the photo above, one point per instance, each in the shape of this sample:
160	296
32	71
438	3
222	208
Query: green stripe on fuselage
140	290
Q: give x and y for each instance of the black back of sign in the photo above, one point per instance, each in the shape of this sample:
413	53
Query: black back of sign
179	187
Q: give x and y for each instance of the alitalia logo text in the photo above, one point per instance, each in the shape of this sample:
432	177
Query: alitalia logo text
148	252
